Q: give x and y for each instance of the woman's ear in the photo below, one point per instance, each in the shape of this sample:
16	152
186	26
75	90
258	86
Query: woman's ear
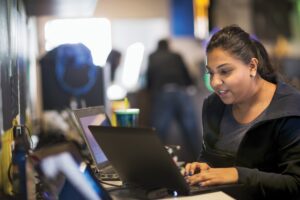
253	65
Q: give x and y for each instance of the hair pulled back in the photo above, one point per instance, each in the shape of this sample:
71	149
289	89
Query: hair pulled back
242	46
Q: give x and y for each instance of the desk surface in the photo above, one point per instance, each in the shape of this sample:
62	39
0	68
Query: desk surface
206	196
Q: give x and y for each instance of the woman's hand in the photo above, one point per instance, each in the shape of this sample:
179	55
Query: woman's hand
210	176
195	167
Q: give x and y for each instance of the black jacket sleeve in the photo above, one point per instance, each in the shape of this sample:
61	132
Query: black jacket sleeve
285	183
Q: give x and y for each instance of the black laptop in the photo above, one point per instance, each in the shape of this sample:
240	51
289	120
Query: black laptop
141	160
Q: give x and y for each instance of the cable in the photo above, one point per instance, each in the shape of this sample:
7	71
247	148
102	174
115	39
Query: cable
28	133
16	170
28	142
9	175
110	184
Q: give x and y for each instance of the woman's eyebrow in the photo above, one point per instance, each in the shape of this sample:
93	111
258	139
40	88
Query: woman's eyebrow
219	66
222	65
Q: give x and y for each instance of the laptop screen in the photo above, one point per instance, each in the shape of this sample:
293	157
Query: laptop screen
95	149
92	116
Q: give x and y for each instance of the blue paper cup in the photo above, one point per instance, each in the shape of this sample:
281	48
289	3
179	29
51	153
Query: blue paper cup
127	117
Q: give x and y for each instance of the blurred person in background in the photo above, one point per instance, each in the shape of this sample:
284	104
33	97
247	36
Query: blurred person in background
168	82
251	124
114	59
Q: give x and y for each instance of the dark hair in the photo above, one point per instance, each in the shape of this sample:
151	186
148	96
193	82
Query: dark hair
244	47
163	44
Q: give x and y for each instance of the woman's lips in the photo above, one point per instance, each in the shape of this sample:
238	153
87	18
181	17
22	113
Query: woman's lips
222	92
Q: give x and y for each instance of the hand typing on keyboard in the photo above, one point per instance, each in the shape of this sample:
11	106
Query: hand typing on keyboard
204	175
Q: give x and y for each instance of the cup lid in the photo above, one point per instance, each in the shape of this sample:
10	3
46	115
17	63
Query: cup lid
128	111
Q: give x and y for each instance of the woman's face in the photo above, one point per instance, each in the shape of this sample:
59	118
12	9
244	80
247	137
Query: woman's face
230	77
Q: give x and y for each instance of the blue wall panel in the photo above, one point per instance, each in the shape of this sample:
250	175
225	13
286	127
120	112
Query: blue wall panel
182	19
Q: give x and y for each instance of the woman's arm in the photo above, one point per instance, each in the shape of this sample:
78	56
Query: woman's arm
287	179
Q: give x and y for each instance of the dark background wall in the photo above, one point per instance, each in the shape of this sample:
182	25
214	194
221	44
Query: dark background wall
13	61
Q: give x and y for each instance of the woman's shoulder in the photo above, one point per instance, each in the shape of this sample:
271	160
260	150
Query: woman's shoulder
286	94
285	102
286	90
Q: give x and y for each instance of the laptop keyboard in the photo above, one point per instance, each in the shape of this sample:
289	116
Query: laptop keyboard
108	170
108	173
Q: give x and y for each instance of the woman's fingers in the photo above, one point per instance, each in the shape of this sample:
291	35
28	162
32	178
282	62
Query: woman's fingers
214	176
195	167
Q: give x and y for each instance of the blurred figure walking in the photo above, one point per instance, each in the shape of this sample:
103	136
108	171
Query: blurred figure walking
168	82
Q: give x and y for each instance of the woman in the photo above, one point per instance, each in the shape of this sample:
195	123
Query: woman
251	124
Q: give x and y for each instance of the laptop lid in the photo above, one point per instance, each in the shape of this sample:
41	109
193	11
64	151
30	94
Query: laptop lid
93	116
140	158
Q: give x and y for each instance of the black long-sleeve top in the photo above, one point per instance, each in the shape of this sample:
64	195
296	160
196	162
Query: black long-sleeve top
268	157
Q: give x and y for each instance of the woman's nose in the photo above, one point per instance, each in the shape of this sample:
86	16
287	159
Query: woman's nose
215	81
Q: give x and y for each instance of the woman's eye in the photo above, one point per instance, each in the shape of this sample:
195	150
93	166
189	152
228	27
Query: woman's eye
225	72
